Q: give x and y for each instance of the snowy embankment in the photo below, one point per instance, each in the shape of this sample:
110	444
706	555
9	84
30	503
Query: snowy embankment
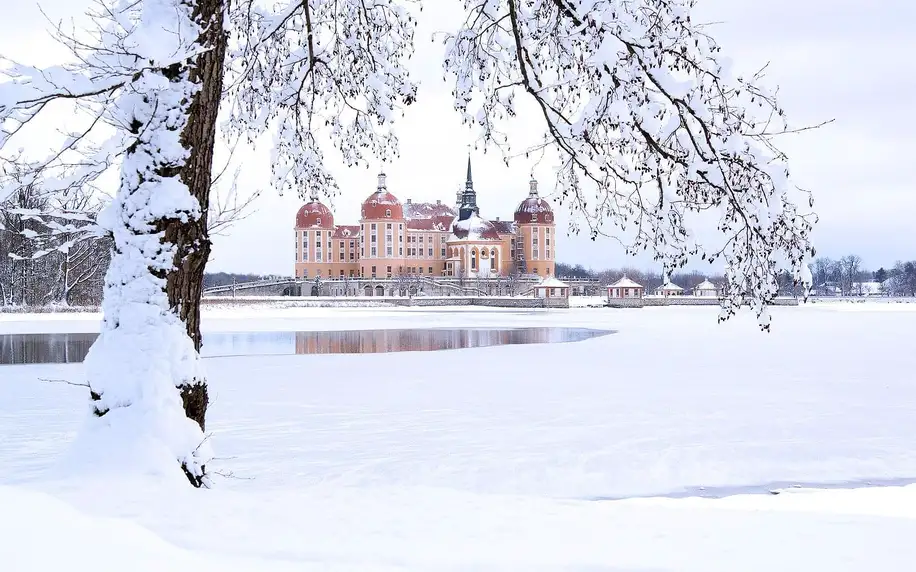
491	458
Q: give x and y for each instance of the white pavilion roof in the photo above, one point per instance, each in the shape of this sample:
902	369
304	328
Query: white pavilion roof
625	283
551	282
705	285
669	286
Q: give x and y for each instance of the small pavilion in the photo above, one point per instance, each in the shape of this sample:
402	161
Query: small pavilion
551	287
669	289
625	288
706	289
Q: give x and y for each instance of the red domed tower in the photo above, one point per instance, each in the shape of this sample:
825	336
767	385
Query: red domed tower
314	227
314	214
535	252
382	233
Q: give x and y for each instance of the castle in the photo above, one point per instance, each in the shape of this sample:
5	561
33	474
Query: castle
429	239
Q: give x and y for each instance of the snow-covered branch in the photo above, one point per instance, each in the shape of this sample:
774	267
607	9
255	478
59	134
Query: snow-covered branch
649	125
311	71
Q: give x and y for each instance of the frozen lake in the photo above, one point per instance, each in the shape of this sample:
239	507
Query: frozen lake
496	454
47	348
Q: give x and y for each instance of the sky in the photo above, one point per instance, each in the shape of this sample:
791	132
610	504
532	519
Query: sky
831	60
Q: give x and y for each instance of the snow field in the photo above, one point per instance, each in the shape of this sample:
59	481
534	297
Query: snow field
490	458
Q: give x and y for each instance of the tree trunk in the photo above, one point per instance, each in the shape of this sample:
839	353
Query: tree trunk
185	284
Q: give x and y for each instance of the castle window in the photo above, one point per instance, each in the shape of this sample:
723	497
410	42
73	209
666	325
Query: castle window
430	253
443	252
342	255
388	251
534	217
430	269
318	220
373	271
318	234
352	256
473	260
400	251
305	273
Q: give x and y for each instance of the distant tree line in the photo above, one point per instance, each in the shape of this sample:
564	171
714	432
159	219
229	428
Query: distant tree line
844	276
847	277
212	279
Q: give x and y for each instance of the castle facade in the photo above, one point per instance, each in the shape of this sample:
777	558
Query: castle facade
430	239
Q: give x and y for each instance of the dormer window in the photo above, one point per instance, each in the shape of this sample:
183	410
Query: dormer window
388	213
318	221
534	217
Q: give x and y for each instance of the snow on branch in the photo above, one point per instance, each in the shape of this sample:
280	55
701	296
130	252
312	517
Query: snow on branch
107	61
651	129
311	71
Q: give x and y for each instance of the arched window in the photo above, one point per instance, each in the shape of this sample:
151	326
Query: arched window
388	213
474	259
318	221
493	259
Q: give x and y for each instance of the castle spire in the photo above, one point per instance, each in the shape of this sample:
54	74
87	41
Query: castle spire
469	197
533	188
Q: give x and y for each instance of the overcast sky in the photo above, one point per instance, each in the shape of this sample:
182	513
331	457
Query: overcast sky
851	61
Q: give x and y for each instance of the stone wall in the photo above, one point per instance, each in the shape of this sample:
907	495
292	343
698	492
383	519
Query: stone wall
379	301
485	301
681	301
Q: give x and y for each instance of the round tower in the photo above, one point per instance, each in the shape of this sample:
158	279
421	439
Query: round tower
535	252
383	233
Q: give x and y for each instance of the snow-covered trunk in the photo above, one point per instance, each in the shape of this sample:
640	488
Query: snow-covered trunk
185	286
147	385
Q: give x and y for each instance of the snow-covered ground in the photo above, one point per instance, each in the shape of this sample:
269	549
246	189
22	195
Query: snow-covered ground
503	458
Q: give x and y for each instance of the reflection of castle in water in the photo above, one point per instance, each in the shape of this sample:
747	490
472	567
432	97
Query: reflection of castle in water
72	348
383	341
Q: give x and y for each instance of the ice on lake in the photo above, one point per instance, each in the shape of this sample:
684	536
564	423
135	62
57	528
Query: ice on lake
458	459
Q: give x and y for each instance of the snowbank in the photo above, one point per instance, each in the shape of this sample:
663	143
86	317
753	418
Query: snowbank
39	533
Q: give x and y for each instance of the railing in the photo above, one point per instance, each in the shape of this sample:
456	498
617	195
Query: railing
461	286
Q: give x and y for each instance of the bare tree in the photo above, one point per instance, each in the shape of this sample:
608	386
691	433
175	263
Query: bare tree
850	268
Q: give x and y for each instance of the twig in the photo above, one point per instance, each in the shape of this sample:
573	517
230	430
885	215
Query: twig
63	381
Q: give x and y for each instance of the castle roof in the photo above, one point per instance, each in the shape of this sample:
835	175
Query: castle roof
314	214
381	204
